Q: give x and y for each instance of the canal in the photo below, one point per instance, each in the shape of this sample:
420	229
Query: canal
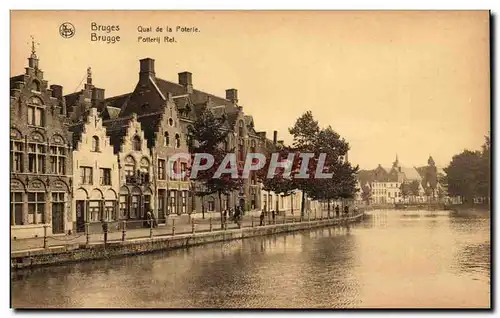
391	259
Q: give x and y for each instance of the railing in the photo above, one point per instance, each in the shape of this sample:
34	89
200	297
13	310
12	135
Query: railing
123	230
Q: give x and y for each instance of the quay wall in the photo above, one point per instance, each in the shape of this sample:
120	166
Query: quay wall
85	252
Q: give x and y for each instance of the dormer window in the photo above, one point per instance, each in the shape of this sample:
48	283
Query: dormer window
95	144
136	143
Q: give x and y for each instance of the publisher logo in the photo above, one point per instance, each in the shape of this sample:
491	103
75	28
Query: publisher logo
67	30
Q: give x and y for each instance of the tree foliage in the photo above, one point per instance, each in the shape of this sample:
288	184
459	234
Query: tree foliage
468	174
207	135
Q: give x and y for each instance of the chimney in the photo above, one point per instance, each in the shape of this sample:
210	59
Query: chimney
147	70
232	95
275	137
186	80
97	95
57	91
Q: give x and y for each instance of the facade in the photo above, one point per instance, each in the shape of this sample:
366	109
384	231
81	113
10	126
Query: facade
136	193
40	156
80	159
95	174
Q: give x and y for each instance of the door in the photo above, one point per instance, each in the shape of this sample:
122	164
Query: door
80	216
57	218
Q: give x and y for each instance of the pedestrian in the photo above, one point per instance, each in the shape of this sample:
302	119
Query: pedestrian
274	216
224	216
149	217
262	218
346	210
337	210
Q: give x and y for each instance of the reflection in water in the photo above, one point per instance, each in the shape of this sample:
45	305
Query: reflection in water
391	259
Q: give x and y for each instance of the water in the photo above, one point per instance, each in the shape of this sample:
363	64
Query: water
392	259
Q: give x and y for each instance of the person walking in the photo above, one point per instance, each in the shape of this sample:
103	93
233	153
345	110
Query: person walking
274	216
105	230
346	210
337	210
262	218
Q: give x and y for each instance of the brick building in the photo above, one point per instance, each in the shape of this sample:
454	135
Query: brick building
40	156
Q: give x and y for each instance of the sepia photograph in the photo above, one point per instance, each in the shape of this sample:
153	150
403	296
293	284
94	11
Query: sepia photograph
250	159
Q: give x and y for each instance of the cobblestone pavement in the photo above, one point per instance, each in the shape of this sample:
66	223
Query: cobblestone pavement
183	225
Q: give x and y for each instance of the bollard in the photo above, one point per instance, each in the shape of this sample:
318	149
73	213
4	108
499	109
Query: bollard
87	232
210	219
252	222
173	227
45	236
192	226
124	230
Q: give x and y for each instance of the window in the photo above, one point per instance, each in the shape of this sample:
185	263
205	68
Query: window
95	211
57	160
109	211
134	212
253	146
16	208
36	158
161	169
177	141
86	175
105	177
184	170
240	128
184	201
16	156
95	144
123	206
136	143
36	207
166	139
211	205
172	202
170	121
241	150
36	112
144	165
129	166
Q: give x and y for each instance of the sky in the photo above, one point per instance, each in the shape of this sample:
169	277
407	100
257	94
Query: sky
390	82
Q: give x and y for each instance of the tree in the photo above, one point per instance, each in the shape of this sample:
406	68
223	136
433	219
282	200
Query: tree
466	177
309	138
278	183
207	135
405	190
415	188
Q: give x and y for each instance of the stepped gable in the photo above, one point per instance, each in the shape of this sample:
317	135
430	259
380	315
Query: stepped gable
116	129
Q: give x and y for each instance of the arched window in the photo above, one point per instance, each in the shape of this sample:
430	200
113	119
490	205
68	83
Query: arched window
240	128
166	139
144	165
36	112
253	146
170	121
35	86
129	166
136	143
178	140
95	143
